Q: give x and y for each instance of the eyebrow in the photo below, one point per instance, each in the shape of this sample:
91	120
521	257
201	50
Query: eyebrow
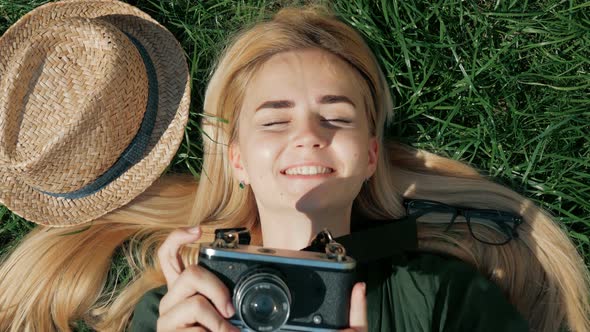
327	99
334	99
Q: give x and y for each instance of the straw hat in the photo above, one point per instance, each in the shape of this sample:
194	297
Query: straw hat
94	98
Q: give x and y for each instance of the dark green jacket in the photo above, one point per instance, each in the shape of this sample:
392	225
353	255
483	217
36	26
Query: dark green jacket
412	292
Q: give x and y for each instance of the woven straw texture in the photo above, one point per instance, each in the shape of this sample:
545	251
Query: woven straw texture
73	93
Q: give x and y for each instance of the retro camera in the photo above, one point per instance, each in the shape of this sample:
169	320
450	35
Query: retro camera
282	290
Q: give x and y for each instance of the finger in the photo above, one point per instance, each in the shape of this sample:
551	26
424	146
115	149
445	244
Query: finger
196	279
168	251
358	308
195	310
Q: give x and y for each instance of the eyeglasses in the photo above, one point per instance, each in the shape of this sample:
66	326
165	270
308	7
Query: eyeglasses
504	222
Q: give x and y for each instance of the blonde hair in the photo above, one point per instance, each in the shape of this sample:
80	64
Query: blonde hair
52	279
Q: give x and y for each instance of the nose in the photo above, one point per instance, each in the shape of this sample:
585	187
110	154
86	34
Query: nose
309	133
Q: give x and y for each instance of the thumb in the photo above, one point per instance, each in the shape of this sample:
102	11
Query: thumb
358	308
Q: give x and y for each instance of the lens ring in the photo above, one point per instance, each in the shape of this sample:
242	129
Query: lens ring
262	300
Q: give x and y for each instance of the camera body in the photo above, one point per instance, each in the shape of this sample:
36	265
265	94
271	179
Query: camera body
283	290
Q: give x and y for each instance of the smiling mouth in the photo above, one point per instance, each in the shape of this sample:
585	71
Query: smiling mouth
308	170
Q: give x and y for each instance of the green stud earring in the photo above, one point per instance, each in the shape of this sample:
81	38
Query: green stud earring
242	185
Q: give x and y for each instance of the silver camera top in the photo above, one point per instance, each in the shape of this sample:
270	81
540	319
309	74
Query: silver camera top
278	256
232	243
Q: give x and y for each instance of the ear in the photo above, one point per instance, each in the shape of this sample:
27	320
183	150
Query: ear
236	163
373	156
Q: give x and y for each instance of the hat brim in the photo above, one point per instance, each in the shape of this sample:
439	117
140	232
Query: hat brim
172	115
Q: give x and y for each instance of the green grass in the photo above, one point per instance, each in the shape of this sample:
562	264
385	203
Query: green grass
501	85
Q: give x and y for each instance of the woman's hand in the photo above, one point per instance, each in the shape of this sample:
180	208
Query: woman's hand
358	309
196	300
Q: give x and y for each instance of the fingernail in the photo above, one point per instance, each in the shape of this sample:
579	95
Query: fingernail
230	310
364	288
194	230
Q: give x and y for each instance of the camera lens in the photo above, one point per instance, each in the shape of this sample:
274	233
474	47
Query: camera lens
263	301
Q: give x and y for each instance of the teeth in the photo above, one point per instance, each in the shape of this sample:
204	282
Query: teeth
308	170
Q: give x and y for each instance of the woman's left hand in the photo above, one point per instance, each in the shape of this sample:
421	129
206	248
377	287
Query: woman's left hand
358	309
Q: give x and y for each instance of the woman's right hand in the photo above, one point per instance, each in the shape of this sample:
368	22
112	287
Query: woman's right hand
196	299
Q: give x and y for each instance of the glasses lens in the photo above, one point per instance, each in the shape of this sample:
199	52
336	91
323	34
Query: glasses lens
492	227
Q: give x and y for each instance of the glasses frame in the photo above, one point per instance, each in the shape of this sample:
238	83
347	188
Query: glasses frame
500	218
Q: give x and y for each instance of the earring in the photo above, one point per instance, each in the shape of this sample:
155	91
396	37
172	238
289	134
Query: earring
242	185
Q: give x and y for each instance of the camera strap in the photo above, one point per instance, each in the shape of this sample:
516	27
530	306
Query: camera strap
372	240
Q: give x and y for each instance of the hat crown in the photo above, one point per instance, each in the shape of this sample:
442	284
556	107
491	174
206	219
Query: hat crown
71	100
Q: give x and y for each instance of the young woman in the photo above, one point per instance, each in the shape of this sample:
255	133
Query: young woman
303	149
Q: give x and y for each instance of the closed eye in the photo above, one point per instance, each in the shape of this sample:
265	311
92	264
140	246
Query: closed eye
337	120
336	123
329	121
274	123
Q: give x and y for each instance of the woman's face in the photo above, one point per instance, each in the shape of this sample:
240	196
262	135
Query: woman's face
303	139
